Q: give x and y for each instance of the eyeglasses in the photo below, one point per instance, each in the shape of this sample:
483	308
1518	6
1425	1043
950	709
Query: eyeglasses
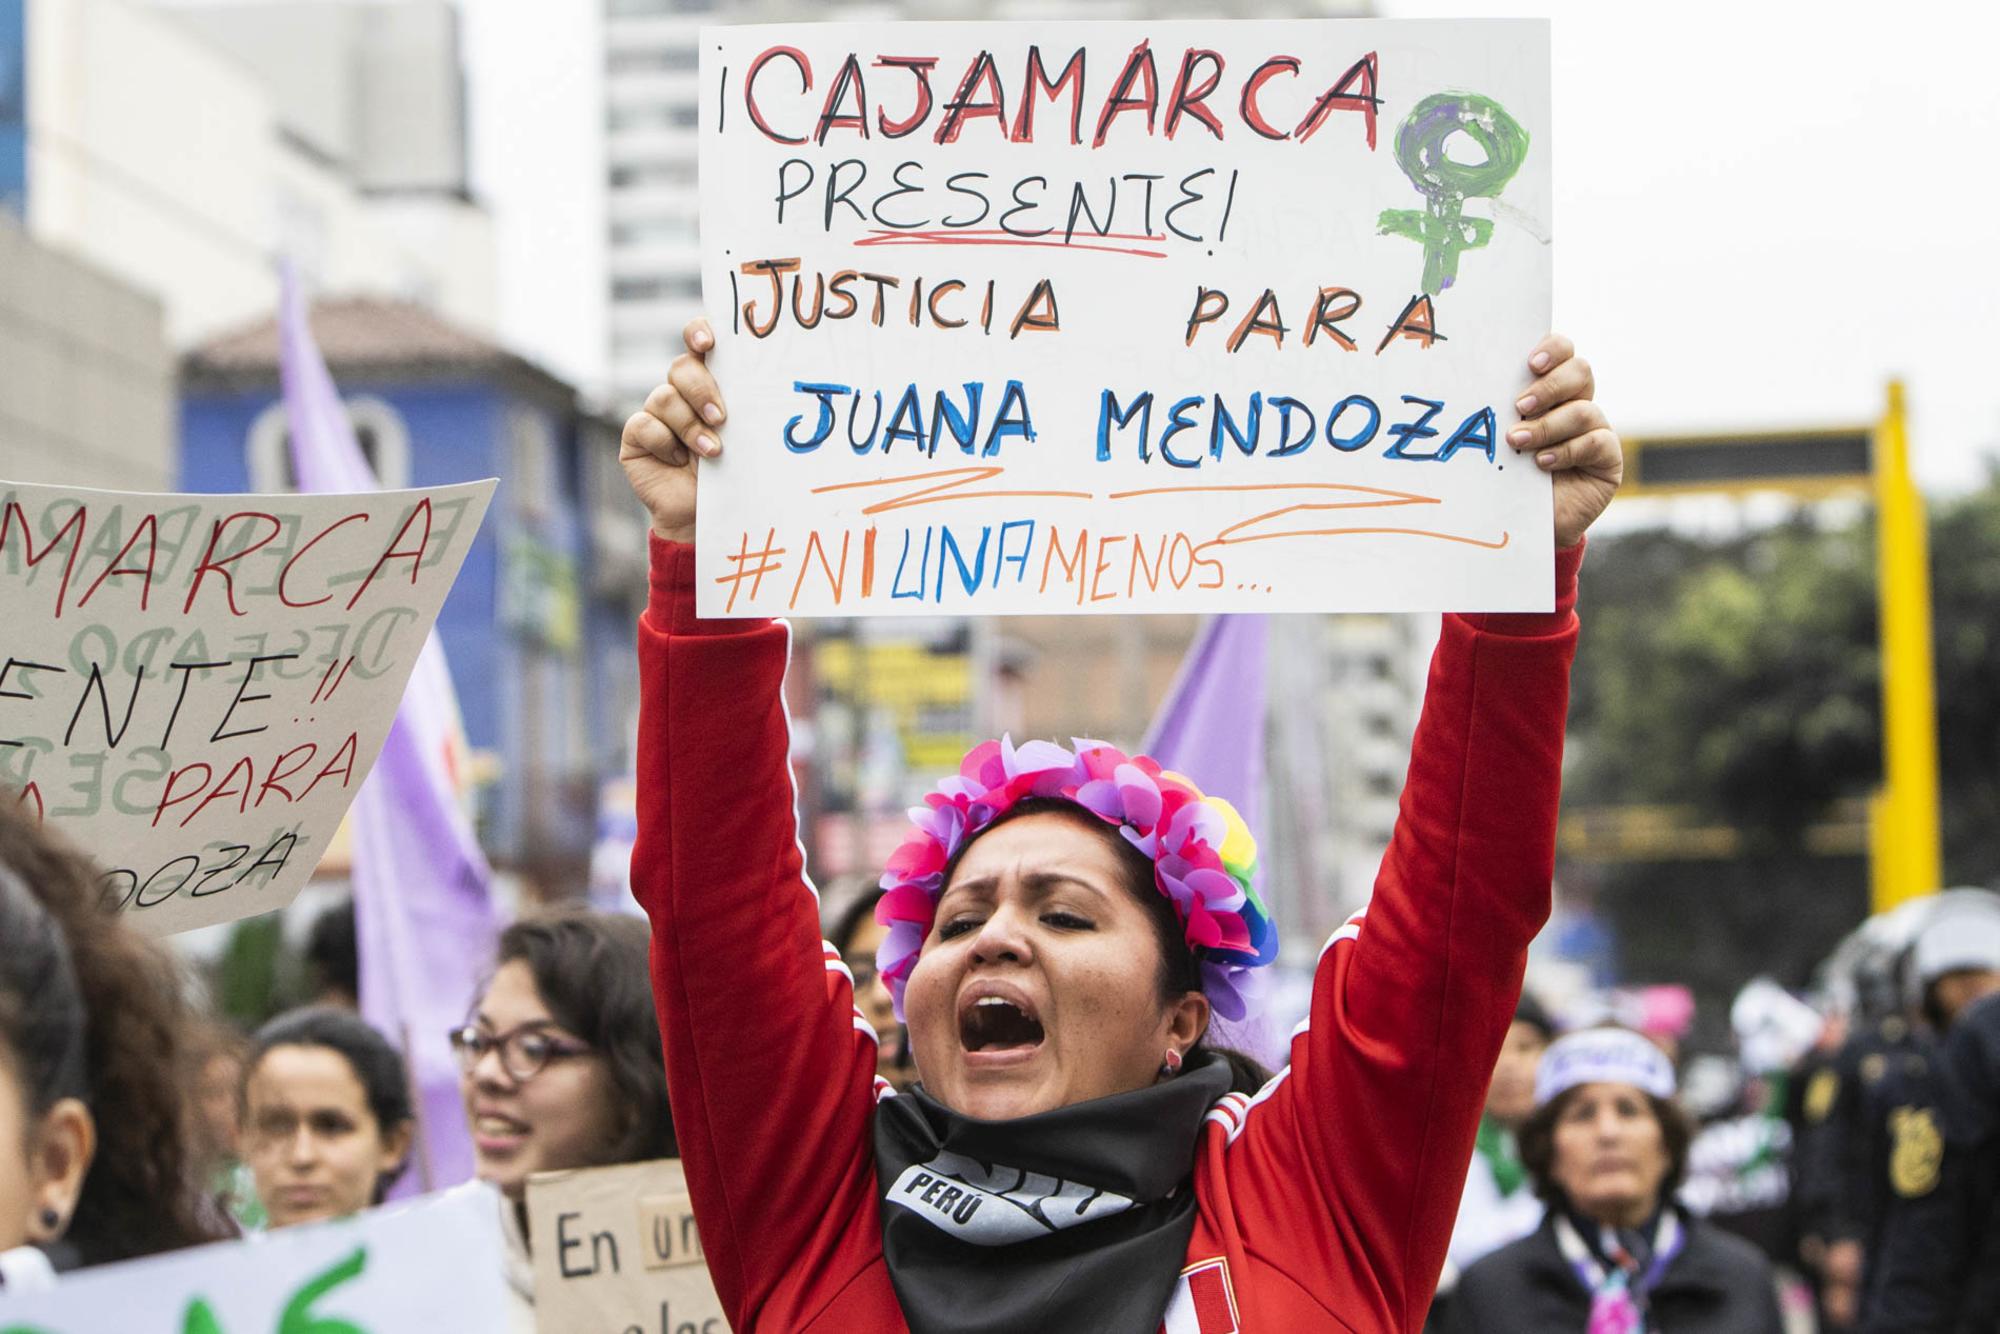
524	1052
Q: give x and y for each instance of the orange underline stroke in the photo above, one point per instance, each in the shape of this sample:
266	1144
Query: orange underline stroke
1003	238
1225	538
946	482
1389	497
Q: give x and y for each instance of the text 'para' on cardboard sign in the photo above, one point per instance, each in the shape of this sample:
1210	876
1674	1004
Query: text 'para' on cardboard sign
193	687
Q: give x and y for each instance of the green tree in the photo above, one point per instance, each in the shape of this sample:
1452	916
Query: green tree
1965	564
1740	678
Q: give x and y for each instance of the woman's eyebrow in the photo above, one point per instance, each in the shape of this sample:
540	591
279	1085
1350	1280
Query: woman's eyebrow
981	886
1039	883
1043	883
484	1020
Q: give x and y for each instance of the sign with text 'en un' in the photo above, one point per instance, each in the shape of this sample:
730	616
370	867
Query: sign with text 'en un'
431	1266
616	1252
193	687
1115	317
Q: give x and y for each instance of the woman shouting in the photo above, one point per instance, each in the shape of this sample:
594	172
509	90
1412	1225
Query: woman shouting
1062	923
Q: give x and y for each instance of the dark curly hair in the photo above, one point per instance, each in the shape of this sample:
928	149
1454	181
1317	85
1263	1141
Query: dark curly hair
90	1009
1180	970
592	972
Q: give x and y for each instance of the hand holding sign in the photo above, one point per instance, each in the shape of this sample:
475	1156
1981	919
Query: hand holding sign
658	446
1569	437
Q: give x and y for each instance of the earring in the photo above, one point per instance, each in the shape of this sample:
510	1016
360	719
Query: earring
1172	1065
51	1221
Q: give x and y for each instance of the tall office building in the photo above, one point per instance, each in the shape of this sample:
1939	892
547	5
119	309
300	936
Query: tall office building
184	147
86	377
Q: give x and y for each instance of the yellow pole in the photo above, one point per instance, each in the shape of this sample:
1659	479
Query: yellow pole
1906	843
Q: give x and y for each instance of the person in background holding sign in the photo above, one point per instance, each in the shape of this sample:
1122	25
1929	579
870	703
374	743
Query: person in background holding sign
93	1159
1060	929
326	1114
561	1067
1615	1253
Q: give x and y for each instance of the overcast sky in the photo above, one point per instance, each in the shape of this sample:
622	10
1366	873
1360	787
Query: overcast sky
1763	210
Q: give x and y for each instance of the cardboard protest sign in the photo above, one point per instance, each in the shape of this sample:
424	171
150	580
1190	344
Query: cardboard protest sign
193	687
1115	317
616	1251
426	1267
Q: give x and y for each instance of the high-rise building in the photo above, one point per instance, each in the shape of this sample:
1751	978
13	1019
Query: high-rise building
86	378
185	147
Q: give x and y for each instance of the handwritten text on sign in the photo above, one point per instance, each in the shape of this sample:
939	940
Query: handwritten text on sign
424	1268
1124	316
193	687
616	1252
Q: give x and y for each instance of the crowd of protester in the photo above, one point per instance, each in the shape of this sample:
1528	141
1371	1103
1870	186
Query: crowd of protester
1847	1180
1848	1175
132	1124
1854	1167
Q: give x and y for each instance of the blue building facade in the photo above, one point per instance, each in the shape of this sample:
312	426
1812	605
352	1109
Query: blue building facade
14	108
539	629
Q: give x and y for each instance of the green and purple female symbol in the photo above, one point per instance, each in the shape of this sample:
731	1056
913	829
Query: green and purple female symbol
1421	142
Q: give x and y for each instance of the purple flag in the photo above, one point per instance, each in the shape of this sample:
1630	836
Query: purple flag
1211	728
1211	724
423	909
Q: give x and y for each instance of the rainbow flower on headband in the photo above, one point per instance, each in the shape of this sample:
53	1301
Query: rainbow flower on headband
1202	853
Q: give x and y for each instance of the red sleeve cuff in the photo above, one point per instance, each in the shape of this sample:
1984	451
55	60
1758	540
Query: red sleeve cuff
1530	624
670	604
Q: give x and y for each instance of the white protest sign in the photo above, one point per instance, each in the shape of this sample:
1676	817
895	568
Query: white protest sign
616	1252
1114	317
431	1266
192	687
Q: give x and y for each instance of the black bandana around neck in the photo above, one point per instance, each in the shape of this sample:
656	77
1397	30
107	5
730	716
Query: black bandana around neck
1075	1219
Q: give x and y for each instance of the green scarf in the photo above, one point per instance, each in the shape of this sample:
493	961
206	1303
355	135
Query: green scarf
1496	1145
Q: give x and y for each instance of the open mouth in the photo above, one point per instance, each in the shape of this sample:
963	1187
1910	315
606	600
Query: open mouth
494	1133
993	1023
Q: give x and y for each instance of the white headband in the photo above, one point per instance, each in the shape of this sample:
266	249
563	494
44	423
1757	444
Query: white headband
1603	1056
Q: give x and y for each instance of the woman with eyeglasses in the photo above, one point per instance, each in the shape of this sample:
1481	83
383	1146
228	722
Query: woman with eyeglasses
561	1066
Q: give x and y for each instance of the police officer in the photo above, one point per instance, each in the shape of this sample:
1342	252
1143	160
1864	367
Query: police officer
1938	1266
1842	1182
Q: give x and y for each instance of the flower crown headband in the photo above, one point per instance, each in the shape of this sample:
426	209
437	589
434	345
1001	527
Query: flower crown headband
1202	853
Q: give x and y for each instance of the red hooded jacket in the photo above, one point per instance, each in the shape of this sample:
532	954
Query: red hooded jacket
1324	1202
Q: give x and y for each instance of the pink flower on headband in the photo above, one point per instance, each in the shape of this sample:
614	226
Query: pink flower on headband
1202	853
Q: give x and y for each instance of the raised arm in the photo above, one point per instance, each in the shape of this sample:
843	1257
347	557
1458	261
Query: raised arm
769	1066
1379	1107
